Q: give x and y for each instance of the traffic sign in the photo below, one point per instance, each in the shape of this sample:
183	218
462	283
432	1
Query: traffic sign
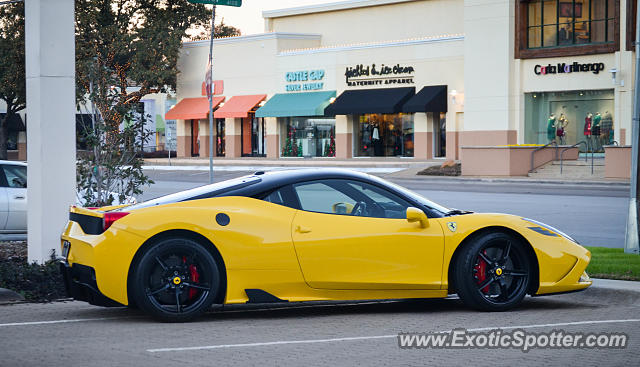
218	2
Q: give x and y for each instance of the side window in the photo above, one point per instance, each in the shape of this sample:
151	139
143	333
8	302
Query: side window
383	203
16	176
322	198
275	197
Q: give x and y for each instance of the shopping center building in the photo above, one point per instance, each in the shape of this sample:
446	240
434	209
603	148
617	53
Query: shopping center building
419	79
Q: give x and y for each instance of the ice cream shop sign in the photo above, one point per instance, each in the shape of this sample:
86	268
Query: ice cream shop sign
305	80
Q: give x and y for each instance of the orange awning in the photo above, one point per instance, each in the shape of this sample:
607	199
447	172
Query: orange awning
192	108
239	106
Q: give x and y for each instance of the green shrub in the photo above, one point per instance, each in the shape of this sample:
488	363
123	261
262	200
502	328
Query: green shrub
37	283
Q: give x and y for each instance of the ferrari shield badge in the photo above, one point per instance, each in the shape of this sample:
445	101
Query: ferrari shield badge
452	226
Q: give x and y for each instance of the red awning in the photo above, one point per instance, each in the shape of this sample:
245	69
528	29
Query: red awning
239	106
192	109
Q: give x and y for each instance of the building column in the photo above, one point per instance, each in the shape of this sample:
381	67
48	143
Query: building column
22	145
203	132
422	136
273	137
233	136
344	136
50	81
491	98
183	138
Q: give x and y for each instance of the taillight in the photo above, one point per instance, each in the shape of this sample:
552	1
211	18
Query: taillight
111	217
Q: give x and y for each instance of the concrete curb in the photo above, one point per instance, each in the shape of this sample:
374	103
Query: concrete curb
396	172
9	296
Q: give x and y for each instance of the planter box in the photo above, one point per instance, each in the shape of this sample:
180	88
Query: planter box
508	160
617	161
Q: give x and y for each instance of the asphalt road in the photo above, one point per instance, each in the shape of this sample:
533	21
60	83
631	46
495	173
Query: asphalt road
595	215
340	334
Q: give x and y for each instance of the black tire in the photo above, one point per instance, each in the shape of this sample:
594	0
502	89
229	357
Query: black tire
176	280
493	272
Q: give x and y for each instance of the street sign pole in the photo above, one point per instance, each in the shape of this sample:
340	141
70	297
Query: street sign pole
209	78
210	92
632	235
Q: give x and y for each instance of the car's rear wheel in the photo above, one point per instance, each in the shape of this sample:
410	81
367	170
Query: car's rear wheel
493	272
176	280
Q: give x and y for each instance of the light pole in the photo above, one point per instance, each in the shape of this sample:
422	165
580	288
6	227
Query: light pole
209	74
631	237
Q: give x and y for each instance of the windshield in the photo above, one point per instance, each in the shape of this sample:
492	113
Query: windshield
416	197
201	191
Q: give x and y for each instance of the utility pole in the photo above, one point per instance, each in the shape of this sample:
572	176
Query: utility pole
210	92
631	239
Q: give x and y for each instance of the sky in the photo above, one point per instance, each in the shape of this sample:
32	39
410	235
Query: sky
248	17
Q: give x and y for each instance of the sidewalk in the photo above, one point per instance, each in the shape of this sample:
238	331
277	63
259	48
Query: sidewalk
399	168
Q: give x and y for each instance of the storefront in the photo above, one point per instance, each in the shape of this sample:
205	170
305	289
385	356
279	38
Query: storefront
192	115
380	129
570	117
243	132
304	129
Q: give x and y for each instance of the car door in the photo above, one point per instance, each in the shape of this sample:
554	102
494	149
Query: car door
4	206
354	235
16	191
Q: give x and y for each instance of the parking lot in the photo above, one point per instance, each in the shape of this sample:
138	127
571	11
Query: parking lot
75	333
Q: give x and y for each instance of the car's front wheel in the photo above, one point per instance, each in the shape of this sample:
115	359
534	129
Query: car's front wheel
175	280
493	272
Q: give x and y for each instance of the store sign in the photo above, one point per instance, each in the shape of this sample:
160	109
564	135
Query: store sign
373	74
306	80
564	68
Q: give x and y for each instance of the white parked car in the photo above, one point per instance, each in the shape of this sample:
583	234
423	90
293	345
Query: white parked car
13	198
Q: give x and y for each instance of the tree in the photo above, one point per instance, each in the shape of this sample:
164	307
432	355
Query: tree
222	30
12	67
126	49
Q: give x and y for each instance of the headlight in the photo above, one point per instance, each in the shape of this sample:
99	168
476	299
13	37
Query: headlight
549	228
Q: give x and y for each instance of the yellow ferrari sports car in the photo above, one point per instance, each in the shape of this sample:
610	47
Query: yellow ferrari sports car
309	235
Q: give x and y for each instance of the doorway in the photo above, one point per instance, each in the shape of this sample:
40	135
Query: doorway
195	138
439	135
220	138
253	132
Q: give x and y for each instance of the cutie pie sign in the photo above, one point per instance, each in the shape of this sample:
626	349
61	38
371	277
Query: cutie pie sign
564	68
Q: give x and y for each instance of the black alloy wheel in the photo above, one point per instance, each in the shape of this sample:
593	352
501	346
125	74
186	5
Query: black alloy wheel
493	272
176	280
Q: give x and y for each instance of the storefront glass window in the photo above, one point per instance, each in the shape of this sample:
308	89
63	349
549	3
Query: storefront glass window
384	135
570	117
309	137
220	137
552	23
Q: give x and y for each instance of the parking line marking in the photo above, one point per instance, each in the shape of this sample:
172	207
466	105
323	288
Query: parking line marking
312	341
57	321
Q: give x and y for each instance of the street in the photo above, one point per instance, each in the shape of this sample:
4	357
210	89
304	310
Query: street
592	214
75	333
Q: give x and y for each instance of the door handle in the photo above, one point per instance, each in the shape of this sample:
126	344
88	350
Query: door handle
303	229
19	197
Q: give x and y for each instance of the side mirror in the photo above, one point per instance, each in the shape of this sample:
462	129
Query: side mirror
417	215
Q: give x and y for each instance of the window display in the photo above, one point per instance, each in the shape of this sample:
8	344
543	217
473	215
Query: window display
570	117
309	137
384	135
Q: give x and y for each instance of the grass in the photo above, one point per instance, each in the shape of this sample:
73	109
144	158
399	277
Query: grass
613	263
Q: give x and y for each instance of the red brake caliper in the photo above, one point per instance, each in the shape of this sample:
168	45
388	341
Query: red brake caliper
481	273
194	277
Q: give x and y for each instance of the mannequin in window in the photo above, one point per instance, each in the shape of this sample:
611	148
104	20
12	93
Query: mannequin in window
551	127
587	129
606	127
595	131
561	124
376	141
